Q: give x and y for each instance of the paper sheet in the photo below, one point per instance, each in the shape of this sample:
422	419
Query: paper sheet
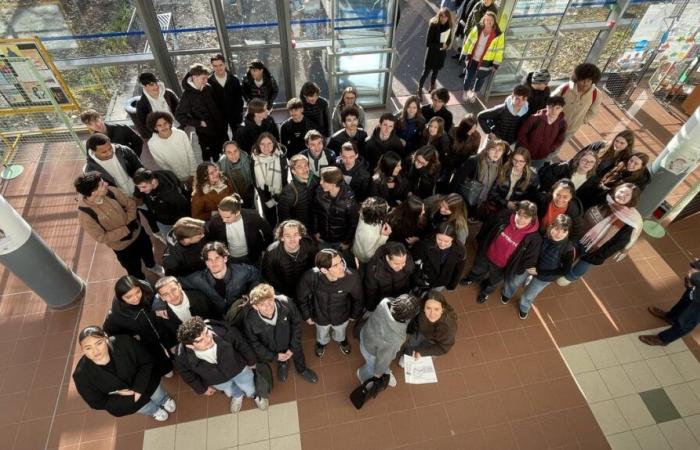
419	371
444	36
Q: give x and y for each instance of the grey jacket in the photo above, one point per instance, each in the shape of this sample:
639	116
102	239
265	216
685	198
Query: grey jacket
382	336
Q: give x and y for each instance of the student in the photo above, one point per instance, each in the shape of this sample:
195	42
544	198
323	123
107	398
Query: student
115	163
286	259
350	132
516	181
437	107
561	199
198	109
390	272
407	221
441	259
423	171
237	166
355	170
538	82
171	148
543	132
297	197
336	211
228	93
465	142
578	169
436	136
270	173
450	209
482	168
633	170
154	98
119	134
582	97
259	83
183	252
410	124
348	99
316	153
164	197
438	40
257	121
388	182
433	331
372	231
610	153
483	49
210	186
294	129
316	108
503	121
383	140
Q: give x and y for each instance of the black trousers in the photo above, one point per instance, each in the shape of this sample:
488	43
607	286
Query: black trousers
487	273
423	77
299	362
140	250
211	145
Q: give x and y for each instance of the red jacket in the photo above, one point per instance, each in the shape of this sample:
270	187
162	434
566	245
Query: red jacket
541	138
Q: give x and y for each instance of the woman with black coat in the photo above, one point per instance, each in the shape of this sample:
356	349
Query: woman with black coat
610	153
578	169
407	221
116	374
131	314
257	121
388	182
633	170
433	331
441	259
258	82
516	181
423	171
438	41
390	273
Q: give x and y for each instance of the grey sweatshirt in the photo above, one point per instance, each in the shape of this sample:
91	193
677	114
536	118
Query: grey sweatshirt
382	336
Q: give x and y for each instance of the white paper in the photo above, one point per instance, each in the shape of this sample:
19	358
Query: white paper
419	371
444	36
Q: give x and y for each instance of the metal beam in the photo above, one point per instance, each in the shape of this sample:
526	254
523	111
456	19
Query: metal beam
287	53
221	31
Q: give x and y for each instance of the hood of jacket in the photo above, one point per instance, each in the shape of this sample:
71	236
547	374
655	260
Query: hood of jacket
188	85
161	93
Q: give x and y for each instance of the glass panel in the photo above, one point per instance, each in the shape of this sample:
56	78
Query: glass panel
370	87
572	49
357	63
583	11
251	22
186	25
617	42
537	12
365	24
67	27
311	26
526	49
310	65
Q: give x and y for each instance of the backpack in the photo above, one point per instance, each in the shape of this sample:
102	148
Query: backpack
91	212
565	89
236	312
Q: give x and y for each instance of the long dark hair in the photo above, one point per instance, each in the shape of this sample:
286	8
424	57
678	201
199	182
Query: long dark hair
430	155
202	176
127	283
620	174
387	164
407	215
465	144
607	153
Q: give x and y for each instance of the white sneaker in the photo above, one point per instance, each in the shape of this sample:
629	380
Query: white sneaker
392	380
161	415
358	375
157	269
261	403
169	405
562	281
236	403
401	360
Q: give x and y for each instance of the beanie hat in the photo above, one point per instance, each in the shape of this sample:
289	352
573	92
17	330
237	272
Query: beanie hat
147	78
541	76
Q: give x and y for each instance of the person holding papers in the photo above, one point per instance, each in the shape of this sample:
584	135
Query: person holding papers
438	41
433	331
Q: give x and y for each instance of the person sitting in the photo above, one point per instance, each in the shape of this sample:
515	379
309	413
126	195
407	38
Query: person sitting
383	140
329	296
350	132
433	331
272	325
286	259
223	282
155	98
561	199
237	166
298	195
116	374
355	170
441	259
423	171
270	173
171	148
258	83
257	121
210	186
215	357
294	129
183	251
410	124
316	108
348	99
578	169
389	273
317	155
336	211
119	134
372	231
131	313
116	163
164	197
438	107
503	121
388	182
245	233
516	181
544	132
508	243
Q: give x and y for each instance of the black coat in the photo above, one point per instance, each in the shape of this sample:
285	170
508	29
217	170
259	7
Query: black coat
127	159
574	211
250	131
501	122
143	109
336	218
124	135
382	281
180	260
292	135
258	233
233	354
167	202
284	272
615	244
319	115
380	188
316	164
239	280
427	256
134	370
340	137
267	340
375	148
330	302
266	92
359	177
421	182
435	55
593	193
199	106
428	113
551	173
229	98
199	306
296	201
499	191
139	321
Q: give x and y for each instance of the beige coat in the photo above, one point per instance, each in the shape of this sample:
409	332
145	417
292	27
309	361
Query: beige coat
113	216
579	109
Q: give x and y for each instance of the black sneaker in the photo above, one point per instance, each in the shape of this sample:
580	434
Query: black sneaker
309	375
481	298
523	315
282	372
466	281
345	347
320	350
504	299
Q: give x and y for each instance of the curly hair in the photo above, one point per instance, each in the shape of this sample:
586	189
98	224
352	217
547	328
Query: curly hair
190	330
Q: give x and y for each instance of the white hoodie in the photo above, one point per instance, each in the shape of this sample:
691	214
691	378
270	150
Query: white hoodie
174	153
158	104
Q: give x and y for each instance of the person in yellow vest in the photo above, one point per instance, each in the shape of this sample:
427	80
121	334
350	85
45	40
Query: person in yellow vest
484	53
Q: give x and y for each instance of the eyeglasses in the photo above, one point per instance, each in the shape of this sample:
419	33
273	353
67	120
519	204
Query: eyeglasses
519	161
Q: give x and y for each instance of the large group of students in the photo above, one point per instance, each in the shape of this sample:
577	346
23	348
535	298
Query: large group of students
319	223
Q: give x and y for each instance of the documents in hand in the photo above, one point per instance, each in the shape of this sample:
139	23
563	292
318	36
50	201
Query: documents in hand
419	371
444	36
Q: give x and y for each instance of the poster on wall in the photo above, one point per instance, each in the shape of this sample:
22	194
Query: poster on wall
656	21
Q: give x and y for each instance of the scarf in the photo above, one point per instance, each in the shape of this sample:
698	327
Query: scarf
488	172
238	172
268	172
600	233
218	187
158	103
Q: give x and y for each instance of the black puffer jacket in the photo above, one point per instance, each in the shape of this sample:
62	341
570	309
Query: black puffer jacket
233	354
359	177
180	260
197	106
428	257
318	114
229	97
499	191
335	218
296	201
283	271
268	340
340	137
382	281
574	211
144	108
124	135
399	193
551	173
239	280
167	201
249	132
330	302
421	182
266	92
375	147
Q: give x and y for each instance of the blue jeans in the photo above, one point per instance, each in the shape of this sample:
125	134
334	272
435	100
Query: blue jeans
164	229
684	316
475	75
578	270
367	371
240	385
531	291
158	398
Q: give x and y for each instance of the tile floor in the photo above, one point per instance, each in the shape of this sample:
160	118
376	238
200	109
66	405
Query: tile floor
642	397
503	386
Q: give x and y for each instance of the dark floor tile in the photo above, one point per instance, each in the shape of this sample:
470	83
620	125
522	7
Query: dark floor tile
660	405
33	434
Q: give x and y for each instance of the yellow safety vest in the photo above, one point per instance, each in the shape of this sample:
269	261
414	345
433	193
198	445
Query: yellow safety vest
493	53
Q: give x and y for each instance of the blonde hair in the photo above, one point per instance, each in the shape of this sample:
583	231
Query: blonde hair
260	293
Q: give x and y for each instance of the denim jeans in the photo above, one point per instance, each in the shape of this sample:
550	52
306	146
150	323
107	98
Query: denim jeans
158	398
164	229
487	273
323	333
414	342
684	316
367	371
578	270
473	75
240	385
531	291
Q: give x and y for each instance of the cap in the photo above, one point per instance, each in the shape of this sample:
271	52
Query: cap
541	77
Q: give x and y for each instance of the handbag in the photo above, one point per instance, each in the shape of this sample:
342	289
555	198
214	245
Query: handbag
470	190
368	389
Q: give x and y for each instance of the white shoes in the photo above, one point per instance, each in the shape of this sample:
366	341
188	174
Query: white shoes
261	403
169	405
236	403
562	281
161	415
401	360
392	380
157	269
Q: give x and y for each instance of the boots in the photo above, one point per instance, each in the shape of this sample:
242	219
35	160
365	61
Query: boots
432	86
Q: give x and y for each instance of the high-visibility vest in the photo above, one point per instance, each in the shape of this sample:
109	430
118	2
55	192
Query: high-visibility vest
493	55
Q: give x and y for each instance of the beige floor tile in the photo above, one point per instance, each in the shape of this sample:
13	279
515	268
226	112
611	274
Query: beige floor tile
222	432
676	346
617	381
624	349
684	399
695	387
609	417
290	442
593	387
191	435
262	445
641	376
693	423
623	441
678	435
601	354
577	358
635	411
252	426
651	438
647	351
687	364
284	419
162	438
665	371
